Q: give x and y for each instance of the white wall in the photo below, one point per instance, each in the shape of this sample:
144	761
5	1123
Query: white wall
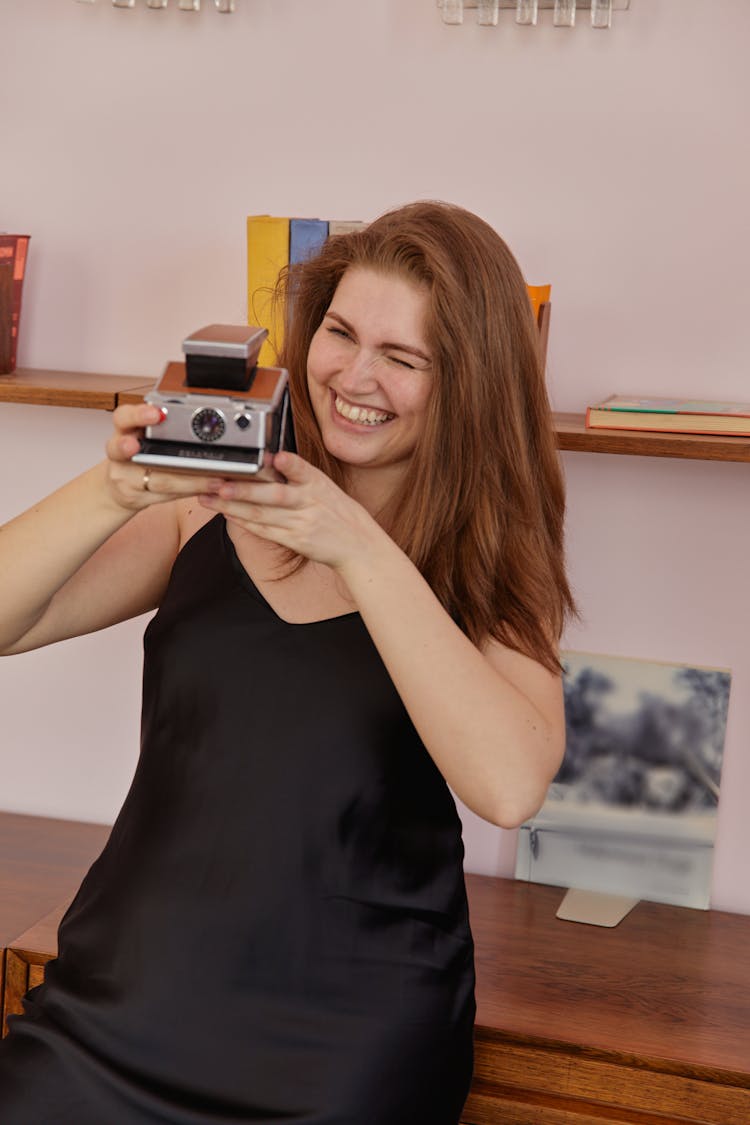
134	143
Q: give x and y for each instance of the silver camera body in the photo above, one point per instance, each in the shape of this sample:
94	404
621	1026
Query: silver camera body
221	413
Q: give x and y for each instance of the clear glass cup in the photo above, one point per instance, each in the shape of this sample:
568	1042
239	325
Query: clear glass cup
601	13
123	3
156	3
527	12
189	5
453	11
224	5
488	13
565	13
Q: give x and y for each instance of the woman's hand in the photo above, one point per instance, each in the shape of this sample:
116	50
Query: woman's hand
135	486
306	512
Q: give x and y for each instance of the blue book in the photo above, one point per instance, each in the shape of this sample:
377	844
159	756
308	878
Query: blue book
306	236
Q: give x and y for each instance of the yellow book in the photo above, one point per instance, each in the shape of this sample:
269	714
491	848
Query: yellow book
267	254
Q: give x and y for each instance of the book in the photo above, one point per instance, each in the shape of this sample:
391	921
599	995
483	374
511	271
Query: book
274	242
538	295
671	415
345	226
306	236
13	251
267	255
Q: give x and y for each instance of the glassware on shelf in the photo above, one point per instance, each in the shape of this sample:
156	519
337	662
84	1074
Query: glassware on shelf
224	5
565	13
453	11
601	13
156	3
527	12
488	13
123	3
189	5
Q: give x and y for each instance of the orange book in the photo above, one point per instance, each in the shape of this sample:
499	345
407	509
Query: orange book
538	295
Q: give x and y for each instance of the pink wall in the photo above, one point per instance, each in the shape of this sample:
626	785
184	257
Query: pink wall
135	143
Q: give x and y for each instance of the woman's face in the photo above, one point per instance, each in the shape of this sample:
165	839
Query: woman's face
369	370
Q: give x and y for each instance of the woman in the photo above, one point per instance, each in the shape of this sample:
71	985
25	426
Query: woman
277	928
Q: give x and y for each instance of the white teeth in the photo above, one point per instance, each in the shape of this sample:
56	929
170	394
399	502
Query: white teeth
361	414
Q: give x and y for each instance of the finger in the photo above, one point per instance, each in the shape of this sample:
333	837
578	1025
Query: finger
242	511
130	422
162	483
137	417
266	494
293	467
121	447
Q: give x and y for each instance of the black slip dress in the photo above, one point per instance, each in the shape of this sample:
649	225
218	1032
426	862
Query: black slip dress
277	928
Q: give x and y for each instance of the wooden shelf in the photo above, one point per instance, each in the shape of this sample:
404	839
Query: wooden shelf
68	388
105	392
135	395
572	434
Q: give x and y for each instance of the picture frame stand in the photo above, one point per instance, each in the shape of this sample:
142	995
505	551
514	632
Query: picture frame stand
593	908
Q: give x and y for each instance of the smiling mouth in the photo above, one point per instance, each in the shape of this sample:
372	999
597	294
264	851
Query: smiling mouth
363	415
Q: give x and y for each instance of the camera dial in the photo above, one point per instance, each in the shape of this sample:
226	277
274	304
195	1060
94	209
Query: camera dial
208	424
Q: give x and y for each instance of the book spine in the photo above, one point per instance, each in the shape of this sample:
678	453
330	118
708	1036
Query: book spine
13	251
345	226
538	295
267	255
306	236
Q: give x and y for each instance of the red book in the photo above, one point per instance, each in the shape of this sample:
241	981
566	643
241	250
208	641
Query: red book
13	251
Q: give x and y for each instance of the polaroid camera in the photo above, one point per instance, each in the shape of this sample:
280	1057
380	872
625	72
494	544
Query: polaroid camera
222	413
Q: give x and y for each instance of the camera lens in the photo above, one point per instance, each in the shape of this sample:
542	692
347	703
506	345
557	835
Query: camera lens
208	424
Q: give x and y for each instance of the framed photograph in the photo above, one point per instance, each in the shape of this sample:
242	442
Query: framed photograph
633	808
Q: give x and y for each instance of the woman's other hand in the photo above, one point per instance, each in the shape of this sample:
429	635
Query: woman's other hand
306	512
134	486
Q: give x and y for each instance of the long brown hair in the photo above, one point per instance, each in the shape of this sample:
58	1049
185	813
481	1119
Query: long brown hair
481	513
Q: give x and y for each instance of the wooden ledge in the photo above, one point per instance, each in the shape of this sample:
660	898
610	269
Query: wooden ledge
105	392
573	435
68	388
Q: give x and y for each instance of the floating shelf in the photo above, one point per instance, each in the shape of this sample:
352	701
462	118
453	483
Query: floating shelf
105	392
572	434
68	388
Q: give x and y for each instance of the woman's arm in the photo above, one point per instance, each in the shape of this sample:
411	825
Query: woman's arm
97	551
492	719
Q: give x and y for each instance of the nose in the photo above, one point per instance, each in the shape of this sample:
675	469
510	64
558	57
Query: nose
359	375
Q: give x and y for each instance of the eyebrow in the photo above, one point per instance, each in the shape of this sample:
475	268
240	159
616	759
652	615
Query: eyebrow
394	346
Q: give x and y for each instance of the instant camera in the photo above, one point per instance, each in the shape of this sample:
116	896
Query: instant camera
222	413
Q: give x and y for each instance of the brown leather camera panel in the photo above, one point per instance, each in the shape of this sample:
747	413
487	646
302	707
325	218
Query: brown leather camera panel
262	387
